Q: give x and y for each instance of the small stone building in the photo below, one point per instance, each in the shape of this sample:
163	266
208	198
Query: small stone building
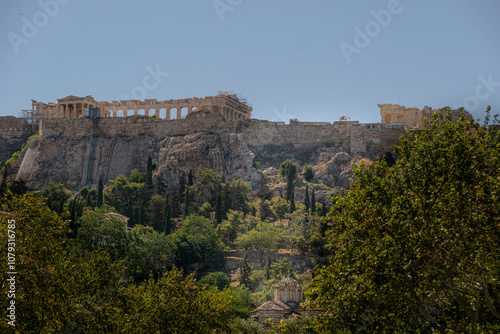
288	294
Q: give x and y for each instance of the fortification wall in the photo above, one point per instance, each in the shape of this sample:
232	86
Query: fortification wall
13	133
13	127
136	126
260	135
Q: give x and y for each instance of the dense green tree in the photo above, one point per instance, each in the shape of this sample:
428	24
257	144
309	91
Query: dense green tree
287	166
264	236
264	210
56	195
245	272
279	206
292	202
100	231
218	209
168	217
208	184
228	229
173	304
237	191
83	193
19	187
217	280
156	213
198	243
308	172
136	177
422	252
186	203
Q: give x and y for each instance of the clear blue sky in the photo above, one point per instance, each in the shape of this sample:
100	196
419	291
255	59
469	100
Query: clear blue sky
287	57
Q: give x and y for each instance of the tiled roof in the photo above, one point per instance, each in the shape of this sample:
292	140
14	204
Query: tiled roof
273	305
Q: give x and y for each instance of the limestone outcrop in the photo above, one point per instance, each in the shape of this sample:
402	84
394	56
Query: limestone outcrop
70	150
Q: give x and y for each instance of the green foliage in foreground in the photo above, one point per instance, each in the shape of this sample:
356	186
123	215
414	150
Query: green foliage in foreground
59	288
416	247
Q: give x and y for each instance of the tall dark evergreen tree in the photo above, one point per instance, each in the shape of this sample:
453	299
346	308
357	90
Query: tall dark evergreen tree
130	210
268	267
313	203
306	199
61	207
142	213
218	209
100	193
323	209
292	202
168	217
3	185
186	203
245	272
182	188
289	183
190	178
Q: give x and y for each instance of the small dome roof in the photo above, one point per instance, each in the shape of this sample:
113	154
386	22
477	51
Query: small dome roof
287	282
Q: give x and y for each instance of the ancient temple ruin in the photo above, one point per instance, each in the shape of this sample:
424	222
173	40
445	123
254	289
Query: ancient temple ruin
410	118
231	106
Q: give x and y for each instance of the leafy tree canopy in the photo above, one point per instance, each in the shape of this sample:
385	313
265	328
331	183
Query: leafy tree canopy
416	247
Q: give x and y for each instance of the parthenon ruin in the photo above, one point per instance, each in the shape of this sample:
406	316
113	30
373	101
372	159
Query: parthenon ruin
230	105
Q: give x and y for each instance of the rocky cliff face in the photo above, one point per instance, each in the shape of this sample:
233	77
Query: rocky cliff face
62	152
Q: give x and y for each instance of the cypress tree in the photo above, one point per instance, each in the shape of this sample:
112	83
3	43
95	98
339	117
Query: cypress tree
245	272
168	223
218	209
129	211
190	178
323	209
306	200
89	200
80	209
100	193
313	203
3	185
182	187
142	213
72	218
61	207
186	204
268	267
292	202
289	184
